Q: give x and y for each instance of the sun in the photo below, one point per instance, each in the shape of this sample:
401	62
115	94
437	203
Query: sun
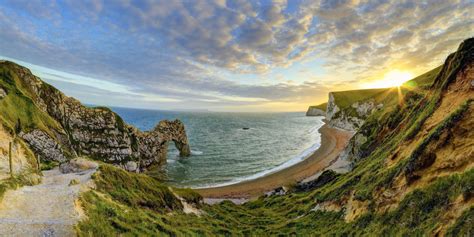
394	78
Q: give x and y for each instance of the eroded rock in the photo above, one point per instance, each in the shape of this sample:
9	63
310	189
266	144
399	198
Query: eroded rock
98	133
77	165
326	177
352	117
315	112
3	93
44	145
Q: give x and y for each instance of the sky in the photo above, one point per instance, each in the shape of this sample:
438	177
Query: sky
227	55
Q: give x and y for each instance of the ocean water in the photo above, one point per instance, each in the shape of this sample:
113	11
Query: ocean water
223	152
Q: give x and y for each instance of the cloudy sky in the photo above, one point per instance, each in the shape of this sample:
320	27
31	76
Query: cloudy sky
226	55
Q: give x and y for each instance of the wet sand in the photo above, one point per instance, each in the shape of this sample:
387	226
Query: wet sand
333	142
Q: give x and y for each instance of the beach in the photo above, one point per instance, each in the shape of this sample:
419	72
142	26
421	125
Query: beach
333	141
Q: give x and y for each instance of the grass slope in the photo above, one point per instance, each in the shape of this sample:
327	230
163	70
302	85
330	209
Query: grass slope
345	99
18	107
424	81
387	96
322	106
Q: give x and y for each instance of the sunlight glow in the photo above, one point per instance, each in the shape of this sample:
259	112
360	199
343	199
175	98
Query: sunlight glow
393	78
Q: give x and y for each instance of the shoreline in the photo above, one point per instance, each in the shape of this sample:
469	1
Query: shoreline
333	141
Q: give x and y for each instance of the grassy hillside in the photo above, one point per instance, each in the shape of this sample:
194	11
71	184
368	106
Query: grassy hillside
322	106
424	81
344	99
18	110
410	181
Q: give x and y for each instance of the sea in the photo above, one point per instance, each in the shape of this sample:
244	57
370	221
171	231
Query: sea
228	147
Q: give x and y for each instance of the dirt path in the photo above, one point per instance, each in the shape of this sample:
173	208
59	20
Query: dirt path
47	209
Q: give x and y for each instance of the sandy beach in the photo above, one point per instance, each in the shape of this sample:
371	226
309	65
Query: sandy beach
333	142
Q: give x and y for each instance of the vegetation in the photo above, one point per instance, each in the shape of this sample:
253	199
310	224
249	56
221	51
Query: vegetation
416	159
18	181
17	109
425	208
133	204
48	165
345	99
322	106
464	226
424	81
418	213
188	195
135	190
6	184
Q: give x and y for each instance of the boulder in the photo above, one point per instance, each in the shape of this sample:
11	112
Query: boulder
131	166
3	93
326	177
77	165
44	145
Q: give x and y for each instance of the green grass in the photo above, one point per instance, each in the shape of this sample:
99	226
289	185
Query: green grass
17	181
115	208
418	213
18	106
188	195
48	165
415	159
135	190
424	81
6	184
322	106
464	226
345	99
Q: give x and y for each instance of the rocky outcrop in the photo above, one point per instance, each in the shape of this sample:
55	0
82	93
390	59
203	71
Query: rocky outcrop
325	177
317	110
351	153
77	165
3	93
351	117
98	132
44	145
313	111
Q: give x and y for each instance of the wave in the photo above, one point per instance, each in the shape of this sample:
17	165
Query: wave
175	153
196	153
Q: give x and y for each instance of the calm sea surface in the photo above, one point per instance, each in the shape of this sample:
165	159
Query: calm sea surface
223	152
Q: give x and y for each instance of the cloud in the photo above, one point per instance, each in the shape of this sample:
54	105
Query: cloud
201	51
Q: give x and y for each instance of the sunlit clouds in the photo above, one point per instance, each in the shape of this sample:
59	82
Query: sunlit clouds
392	78
228	55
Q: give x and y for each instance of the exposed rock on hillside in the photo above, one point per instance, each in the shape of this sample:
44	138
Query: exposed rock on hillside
325	177
44	145
317	110
23	161
95	132
350	117
3	93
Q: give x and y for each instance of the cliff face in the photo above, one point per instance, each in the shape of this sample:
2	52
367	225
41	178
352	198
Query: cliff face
317	110
349	113
70	129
